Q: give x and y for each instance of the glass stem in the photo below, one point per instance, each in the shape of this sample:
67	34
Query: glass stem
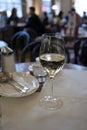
51	91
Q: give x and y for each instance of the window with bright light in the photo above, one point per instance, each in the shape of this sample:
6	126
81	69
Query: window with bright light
80	6
46	5
7	5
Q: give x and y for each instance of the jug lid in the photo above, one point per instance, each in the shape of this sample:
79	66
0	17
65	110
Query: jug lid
6	50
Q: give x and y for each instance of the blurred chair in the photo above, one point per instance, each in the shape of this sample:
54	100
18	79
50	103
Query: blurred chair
8	32
19	41
83	53
33	49
69	46
76	50
32	33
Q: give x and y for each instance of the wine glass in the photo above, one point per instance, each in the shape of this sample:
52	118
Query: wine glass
52	58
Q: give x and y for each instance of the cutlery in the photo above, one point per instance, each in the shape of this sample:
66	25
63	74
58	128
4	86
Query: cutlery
21	89
8	78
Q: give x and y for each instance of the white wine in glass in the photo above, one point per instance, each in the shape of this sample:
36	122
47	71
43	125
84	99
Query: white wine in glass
52	58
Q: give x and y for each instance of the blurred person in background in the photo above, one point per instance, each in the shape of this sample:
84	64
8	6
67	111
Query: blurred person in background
59	22
33	21
3	19
74	23
84	18
45	19
45	22
13	19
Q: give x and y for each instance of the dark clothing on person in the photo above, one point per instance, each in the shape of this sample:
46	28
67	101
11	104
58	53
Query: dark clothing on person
45	20
34	22
13	19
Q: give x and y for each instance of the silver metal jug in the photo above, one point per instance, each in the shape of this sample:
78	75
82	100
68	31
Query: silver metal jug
7	59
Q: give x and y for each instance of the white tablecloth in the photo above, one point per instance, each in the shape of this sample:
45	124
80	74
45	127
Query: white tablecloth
25	113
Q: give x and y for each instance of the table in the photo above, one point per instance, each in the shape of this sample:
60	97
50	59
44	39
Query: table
26	114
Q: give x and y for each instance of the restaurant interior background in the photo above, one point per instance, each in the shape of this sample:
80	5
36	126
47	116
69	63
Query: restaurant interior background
52	7
42	5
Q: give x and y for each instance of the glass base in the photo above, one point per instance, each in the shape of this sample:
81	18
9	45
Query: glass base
50	102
